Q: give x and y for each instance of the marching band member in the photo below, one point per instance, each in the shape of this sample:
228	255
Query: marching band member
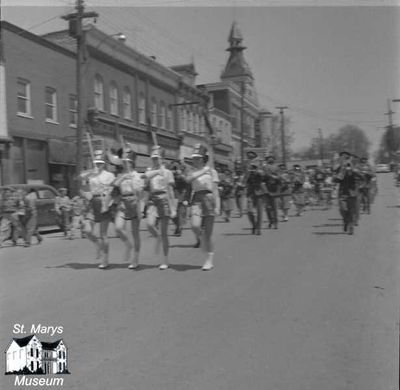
272	183
227	194
348	179
100	185
205	201
162	202
300	186
285	191
255	192
130	185
240	188
182	193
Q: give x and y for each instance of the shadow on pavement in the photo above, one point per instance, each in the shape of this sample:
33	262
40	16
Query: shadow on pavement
328	233
182	246
327	225
238	234
79	266
183	267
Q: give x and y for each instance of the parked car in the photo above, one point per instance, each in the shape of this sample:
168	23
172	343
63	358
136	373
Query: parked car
382	168
46	198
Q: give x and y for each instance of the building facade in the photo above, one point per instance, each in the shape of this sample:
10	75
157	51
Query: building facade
39	102
132	96
234	107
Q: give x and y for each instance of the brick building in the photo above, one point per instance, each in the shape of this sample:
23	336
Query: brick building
38	97
133	95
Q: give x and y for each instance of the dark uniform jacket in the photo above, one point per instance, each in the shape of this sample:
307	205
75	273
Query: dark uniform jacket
254	183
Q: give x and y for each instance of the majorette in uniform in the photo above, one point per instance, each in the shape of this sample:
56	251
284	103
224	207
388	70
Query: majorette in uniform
100	187
205	201
130	188
161	202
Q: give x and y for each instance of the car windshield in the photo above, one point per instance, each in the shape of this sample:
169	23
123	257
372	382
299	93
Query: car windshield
46	194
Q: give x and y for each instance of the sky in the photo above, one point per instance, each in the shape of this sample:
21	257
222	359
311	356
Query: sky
332	65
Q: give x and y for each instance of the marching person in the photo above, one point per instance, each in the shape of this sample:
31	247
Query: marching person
63	207
100	187
271	181
255	192
226	194
181	192
298	189
130	185
365	186
285	191
162	202
30	219
348	179
205	202
239	189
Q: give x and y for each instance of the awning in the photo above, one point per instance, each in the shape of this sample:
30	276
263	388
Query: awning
62	152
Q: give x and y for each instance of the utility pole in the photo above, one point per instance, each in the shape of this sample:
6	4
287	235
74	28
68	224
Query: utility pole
242	92
389	129
390	113
321	145
281	111
76	30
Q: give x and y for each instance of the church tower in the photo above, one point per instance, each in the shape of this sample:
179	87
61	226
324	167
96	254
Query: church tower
236	69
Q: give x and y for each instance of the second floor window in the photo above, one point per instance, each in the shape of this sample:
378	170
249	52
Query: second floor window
161	116
51	104
113	99
99	93
23	97
142	108
190	121
196	123
153	112
184	120
169	119
73	110
127	104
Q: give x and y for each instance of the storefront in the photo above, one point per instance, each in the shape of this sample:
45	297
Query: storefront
62	165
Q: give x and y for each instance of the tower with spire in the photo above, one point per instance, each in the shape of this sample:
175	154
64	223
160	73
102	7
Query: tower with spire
234	101
236	69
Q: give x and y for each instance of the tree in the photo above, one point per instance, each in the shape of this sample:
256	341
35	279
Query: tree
352	139
390	144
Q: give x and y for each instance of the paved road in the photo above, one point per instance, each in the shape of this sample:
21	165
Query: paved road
305	307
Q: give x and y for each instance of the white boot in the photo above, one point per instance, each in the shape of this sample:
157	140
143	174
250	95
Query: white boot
209	264
135	261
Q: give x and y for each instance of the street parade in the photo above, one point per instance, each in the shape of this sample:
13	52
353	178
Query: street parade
169	194
199	195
